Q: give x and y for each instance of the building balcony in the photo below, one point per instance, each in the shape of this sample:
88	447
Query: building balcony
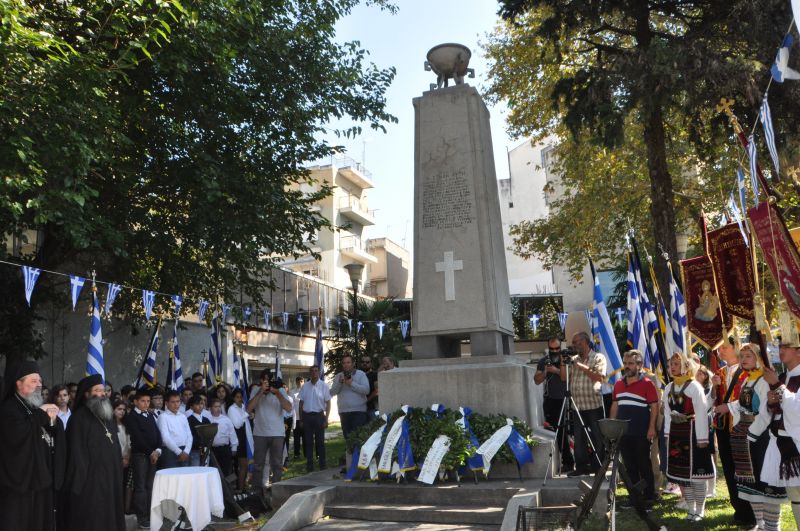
351	208
354	171
351	247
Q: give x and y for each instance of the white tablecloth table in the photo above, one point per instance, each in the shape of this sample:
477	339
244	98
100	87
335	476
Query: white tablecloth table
197	489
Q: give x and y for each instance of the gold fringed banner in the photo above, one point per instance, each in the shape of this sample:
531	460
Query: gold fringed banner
733	269
702	303
779	252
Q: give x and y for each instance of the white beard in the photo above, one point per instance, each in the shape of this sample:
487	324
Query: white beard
101	407
34	399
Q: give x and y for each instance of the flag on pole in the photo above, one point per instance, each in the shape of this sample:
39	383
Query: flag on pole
147	373
177	372
201	310
94	361
215	353
742	190
319	357
678	319
637	331
751	151
648	311
76	285
31	275
606	343
769	134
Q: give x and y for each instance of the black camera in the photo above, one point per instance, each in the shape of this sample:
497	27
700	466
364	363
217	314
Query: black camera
276	383
557	357
347	374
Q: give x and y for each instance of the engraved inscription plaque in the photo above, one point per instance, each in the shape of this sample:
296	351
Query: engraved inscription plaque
446	200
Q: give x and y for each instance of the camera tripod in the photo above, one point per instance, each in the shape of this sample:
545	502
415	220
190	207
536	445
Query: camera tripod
565	420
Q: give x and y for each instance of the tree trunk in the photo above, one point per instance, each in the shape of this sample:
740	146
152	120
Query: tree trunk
662	206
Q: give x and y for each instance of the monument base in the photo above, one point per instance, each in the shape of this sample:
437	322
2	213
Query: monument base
482	343
486	384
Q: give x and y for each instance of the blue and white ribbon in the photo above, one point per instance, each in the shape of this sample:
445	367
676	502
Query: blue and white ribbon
404	328
111	296
76	285
31	275
148	298
475	462
398	437
380	325
177	300
201	311
439	409
769	134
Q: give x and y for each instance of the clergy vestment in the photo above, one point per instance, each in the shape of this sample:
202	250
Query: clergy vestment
30	471
94	474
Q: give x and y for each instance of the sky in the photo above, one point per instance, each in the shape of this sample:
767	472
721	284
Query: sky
402	40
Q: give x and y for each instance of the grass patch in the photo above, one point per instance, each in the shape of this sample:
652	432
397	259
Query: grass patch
719	514
334	451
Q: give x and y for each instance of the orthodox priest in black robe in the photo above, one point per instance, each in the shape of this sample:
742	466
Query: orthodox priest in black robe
94	462
32	448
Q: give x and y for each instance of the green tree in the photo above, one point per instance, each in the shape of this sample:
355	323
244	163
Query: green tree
163	144
368	343
630	87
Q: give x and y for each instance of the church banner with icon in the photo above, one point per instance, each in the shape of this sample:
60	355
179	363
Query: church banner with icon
703	314
779	252
733	270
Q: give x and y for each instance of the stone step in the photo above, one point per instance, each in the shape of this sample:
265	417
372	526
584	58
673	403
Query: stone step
432	514
342	524
418	494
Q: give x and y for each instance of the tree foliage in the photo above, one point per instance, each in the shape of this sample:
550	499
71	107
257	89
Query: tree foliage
162	143
629	89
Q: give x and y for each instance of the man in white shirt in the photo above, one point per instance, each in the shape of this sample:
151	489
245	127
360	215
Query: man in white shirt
267	406
225	441
175	433
315	406
61	400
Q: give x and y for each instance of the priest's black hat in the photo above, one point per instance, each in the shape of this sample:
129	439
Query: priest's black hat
85	385
17	371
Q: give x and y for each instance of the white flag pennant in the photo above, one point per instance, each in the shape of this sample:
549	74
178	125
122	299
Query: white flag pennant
76	285
380	325
620	315
285	317
299	321
350	325
246	312
226	308
404	328
268	319
148	298
534	319
314	322
562	320
358	328
31	275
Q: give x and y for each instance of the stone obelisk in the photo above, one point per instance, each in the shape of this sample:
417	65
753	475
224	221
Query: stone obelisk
460	278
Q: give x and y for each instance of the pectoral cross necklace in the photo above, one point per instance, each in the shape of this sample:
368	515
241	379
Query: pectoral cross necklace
103	424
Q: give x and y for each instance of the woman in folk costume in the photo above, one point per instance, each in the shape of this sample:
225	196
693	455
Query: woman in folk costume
686	429
750	439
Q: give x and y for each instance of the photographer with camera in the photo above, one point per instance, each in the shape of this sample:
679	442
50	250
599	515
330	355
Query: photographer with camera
548	371
352	386
587	372
268	406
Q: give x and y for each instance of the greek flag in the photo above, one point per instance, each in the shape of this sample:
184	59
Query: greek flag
769	134
76	285
637	331
607	344
240	382
178	301
147	374
148	298
111	296
201	310
648	312
174	372
94	360
31	275
780	68
215	353
751	151
319	357
677	310
737	216
742	190
226	308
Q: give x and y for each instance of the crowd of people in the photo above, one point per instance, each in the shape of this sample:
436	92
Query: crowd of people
746	415
81	456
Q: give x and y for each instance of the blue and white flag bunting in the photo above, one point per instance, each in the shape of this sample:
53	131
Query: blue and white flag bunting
226	308
380	325
620	313
178	301
94	360
299	320
769	134
76	285
111	296
31	275
359	325
752	153
404	328
148	298
780	69
268	319
534	320
562	320
314	322
201	310
350	326
246	312
177	372
285	320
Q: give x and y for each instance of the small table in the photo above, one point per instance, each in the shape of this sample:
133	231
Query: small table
197	489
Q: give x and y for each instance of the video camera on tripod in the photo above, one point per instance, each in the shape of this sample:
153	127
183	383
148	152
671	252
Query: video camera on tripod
555	358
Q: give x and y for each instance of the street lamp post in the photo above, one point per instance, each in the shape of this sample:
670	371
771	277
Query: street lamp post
355	270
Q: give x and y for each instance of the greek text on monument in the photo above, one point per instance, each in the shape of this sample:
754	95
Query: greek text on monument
446	200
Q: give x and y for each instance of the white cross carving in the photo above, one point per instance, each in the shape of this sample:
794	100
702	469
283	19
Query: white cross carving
449	267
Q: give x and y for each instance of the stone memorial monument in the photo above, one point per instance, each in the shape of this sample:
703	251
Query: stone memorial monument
460	278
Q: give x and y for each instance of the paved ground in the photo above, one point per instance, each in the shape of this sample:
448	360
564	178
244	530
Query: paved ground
333	524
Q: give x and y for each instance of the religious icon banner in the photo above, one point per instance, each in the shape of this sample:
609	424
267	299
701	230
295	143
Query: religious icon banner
779	252
702	303
733	270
